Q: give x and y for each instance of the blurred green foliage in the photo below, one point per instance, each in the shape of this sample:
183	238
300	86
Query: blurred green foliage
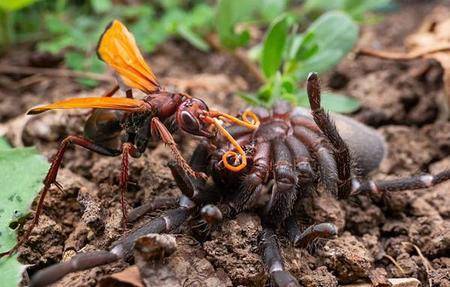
72	28
287	57
231	13
357	9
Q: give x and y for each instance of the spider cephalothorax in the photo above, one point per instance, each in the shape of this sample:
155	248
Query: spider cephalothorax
292	153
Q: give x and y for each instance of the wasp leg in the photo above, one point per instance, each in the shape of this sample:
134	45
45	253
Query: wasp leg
127	150
273	260
158	128
51	178
111	92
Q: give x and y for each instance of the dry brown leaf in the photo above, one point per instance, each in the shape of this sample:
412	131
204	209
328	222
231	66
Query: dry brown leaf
129	277
430	41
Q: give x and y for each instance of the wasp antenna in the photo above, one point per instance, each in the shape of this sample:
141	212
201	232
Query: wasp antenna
252	123
231	154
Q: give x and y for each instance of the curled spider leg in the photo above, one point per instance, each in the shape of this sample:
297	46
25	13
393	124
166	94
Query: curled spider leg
341	151
377	187
121	249
273	260
50	178
303	239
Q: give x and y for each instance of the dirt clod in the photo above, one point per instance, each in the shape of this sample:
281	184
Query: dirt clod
348	257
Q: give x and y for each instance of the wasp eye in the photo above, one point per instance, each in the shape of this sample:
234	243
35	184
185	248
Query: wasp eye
189	122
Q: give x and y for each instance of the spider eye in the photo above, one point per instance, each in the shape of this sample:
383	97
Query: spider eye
189	123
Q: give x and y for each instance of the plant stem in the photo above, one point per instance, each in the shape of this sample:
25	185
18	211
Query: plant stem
6	30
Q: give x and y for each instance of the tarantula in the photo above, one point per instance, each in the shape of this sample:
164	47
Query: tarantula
291	154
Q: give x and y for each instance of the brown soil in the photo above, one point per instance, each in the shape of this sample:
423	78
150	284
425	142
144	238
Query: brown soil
374	233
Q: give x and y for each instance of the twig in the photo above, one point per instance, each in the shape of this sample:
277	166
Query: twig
400	56
238	55
425	261
395	263
25	70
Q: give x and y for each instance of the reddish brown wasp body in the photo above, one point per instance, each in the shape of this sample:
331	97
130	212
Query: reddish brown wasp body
124	126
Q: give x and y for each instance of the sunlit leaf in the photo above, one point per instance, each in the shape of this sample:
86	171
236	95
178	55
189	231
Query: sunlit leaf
11	271
335	33
194	39
21	174
270	9
228	14
274	46
14	5
332	102
101	6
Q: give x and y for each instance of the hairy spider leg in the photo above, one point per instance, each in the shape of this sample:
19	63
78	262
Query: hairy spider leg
340	149
50	178
122	248
377	187
81	261
326	162
273	260
302	160
253	182
284	192
156	204
303	238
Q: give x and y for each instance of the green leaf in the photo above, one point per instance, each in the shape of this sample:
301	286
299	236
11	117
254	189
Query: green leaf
321	5
4	144
335	33
252	99
11	271
21	174
355	8
14	5
194	39
274	46
101	6
228	14
307	48
332	102
270	9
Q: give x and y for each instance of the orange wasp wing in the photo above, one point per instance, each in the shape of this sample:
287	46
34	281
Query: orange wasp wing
124	104
117	48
